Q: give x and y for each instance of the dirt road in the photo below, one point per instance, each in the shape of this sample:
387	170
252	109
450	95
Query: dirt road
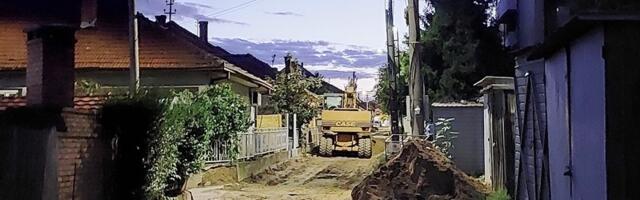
303	178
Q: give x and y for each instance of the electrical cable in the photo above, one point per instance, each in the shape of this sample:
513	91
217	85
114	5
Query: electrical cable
232	9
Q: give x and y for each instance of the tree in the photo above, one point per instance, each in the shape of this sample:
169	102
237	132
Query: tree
292	93
383	87
462	45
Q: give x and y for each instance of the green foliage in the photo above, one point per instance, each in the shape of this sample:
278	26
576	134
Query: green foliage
292	94
85	87
383	87
462	46
165	141
131	122
500	194
445	136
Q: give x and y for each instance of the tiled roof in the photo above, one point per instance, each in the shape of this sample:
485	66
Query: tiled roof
106	47
252	64
81	103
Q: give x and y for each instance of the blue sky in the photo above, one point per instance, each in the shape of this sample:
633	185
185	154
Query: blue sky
332	37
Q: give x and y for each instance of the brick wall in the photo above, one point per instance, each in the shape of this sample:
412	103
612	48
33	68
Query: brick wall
83	157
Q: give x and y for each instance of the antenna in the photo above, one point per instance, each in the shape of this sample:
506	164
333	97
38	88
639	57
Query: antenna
273	60
172	10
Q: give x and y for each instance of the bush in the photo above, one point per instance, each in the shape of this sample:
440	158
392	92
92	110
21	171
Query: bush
162	142
131	122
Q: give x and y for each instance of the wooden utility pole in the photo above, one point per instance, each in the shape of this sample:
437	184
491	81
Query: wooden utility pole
134	56
416	82
392	66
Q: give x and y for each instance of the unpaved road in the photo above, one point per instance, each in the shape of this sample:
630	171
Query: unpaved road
303	178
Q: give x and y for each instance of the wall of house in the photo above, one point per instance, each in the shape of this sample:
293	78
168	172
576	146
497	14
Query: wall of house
526	157
120	79
468	150
556	75
587	111
83	157
530	22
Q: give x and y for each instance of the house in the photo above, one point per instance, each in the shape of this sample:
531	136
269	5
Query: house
575	70
171	57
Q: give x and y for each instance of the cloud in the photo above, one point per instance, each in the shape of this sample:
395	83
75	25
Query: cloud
336	62
285	13
311	53
183	10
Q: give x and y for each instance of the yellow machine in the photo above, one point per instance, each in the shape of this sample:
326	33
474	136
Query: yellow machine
344	126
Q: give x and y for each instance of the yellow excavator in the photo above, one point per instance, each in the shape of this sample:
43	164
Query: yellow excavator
344	126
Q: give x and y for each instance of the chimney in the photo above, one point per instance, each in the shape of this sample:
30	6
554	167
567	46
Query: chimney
204	30
161	19
50	65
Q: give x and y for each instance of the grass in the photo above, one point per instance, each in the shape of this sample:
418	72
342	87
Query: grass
500	194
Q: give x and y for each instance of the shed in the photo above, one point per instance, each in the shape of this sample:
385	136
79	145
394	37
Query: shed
499	128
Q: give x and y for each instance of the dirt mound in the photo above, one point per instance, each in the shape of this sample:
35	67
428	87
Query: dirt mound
419	172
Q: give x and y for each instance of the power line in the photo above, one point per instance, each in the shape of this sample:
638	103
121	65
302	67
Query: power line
232	9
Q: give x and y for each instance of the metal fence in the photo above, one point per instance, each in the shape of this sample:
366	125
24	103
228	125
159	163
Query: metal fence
251	144
395	143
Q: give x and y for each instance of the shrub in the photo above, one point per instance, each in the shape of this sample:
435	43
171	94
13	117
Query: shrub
162	141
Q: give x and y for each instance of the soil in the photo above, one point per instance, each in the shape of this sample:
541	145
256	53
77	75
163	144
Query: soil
304	178
419	171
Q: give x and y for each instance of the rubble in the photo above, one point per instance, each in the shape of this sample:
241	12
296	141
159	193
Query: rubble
419	172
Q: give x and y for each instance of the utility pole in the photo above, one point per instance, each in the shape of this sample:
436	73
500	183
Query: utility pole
134	57
392	67
416	82
171	10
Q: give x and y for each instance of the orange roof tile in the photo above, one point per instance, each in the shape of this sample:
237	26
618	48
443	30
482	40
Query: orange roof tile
106	47
80	102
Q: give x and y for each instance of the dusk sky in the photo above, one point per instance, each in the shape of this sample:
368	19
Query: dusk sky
332	37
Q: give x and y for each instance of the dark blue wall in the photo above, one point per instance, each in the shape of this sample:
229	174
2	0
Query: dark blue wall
530	22
536	120
558	124
587	91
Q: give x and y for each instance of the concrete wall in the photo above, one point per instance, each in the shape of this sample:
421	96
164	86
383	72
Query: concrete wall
468	147
222	174
587	96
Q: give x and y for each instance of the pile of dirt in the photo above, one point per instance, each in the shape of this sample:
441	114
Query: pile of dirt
419	172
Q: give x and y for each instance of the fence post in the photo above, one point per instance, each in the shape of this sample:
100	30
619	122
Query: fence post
295	134
287	135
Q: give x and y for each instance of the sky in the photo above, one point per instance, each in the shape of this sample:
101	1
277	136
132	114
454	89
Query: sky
332	37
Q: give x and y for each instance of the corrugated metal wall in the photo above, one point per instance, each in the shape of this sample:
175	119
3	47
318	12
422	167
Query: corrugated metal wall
468	147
